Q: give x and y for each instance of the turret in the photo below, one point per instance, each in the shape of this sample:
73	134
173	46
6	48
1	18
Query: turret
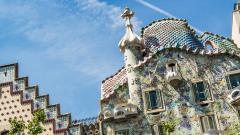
131	45
236	24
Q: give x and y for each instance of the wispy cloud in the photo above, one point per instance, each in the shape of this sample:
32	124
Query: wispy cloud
71	44
71	31
163	12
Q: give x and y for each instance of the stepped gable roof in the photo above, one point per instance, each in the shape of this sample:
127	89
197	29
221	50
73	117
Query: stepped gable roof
110	83
160	33
19	87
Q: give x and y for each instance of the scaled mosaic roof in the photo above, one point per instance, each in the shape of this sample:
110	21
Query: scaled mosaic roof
169	31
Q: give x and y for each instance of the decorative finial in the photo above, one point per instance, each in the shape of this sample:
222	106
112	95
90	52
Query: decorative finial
129	38
127	15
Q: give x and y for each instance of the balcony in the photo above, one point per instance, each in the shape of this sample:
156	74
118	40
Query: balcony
234	96
120	112
173	75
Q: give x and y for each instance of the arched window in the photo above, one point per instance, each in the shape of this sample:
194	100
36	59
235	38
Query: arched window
209	45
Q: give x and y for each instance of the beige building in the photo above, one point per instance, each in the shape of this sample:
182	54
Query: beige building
18	99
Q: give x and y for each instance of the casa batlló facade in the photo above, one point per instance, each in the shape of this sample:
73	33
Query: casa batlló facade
171	74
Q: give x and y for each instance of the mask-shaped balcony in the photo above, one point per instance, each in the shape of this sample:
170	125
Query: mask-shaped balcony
234	96
173	74
120	112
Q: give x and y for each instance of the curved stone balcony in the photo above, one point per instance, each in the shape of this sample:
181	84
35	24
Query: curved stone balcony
234	96
120	112
173	74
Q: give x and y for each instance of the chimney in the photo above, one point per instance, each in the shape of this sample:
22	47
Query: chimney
236	24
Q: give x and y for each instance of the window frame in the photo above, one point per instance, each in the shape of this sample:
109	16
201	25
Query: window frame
216	120
205	82
159	129
159	109
227	79
120	130
174	68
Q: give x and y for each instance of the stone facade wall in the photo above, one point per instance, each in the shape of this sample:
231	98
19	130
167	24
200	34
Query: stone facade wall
179	102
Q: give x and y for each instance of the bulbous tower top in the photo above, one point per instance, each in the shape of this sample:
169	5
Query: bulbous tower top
129	38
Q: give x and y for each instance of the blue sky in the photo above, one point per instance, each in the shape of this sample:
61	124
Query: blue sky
68	46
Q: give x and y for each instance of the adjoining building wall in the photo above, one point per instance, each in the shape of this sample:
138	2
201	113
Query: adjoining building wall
18	100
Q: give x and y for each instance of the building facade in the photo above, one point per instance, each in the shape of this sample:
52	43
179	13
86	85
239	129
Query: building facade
173	81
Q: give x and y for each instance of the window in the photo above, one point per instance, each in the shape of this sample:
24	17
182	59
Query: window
153	100
233	80
4	133
208	123
239	113
122	132
209	45
172	67
157	130
201	91
120	113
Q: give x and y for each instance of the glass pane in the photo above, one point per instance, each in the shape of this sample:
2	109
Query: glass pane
122	132
234	80
228	82
160	129
148	101
211	121
153	99
159	99
201	96
152	130
200	91
205	123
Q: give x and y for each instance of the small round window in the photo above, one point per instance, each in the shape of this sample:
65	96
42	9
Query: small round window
209	45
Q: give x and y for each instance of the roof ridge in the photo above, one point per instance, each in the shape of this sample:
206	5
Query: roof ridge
162	20
111	76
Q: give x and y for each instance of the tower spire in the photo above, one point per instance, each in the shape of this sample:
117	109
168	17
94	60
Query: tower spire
130	45
129	38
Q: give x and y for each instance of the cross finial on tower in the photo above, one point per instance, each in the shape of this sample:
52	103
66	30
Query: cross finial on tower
127	15
129	38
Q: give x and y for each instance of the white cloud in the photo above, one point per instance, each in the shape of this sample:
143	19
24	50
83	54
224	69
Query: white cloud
83	34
